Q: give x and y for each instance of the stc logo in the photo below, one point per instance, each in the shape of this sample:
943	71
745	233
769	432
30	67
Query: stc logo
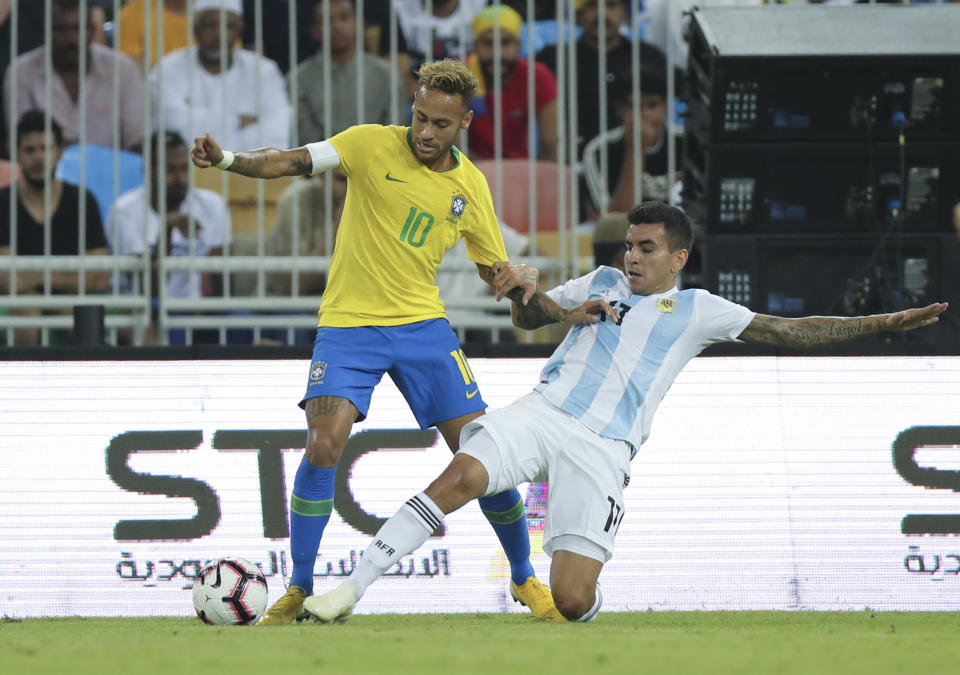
269	444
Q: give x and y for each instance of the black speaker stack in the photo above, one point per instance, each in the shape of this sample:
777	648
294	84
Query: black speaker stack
822	155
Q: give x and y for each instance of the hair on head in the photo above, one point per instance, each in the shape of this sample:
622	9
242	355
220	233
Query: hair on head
676	223
34	121
450	77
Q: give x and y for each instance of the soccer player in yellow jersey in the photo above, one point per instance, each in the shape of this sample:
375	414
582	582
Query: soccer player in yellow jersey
411	196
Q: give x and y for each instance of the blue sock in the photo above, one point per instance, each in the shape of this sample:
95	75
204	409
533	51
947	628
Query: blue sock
508	517
310	506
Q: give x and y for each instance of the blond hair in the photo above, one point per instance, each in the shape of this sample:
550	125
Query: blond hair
450	77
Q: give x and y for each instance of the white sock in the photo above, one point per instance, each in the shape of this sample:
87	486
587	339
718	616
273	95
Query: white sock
593	611
404	532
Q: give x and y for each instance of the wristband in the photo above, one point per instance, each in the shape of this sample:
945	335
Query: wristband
227	160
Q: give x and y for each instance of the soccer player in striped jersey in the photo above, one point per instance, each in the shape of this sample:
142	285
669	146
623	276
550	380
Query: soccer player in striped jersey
411	196
593	407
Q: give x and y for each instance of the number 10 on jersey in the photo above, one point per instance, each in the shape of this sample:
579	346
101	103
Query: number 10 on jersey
410	228
463	366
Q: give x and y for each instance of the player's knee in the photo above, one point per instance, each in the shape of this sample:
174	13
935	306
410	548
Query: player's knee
323	450
459	483
573	600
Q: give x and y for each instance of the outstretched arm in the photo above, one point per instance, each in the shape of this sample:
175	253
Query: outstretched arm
260	163
820	331
531	308
542	311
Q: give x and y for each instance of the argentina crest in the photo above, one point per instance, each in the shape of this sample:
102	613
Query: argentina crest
666	305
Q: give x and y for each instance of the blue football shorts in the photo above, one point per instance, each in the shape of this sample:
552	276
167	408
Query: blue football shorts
423	359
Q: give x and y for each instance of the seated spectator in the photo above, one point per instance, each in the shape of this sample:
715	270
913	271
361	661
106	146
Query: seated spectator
309	195
515	73
211	226
65	99
609	237
176	31
344	80
33	142
376	36
618	58
274	22
29	32
653	142
200	93
435	34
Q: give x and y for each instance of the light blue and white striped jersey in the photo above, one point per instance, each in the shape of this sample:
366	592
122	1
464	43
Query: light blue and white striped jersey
612	375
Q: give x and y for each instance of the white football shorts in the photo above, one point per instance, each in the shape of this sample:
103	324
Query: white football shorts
534	441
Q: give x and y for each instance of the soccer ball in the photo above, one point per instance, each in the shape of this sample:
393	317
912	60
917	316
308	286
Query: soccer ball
230	592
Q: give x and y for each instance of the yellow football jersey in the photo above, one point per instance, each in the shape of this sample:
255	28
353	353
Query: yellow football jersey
398	220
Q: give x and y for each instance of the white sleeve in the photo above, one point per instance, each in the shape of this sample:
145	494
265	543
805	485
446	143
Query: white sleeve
129	230
172	93
718	319
572	292
111	227
272	130
324	156
226	226
577	291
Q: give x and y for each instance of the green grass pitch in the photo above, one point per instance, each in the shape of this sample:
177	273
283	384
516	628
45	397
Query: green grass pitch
714	643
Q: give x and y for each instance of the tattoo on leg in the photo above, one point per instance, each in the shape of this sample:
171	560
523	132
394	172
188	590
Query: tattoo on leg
325	405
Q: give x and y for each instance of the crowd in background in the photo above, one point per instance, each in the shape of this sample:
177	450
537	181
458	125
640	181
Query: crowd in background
238	76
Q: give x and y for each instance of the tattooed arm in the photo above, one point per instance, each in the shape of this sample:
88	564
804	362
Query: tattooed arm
820	331
531	308
261	163
541	311
517	282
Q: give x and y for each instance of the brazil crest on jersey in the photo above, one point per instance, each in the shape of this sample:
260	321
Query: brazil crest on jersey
399	218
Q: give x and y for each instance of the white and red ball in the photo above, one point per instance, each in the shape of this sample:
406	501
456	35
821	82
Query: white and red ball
230	592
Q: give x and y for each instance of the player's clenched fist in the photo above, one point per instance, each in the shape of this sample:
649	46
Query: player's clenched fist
206	152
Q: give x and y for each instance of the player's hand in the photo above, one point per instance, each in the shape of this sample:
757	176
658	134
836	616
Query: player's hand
649	133
592	311
181	221
206	152
909	319
507	276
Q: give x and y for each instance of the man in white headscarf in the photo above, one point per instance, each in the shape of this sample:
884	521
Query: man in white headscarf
218	88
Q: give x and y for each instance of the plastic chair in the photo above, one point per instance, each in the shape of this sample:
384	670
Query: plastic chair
99	163
516	199
242	197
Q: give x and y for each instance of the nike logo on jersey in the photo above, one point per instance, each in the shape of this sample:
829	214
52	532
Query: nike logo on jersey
395	180
471	394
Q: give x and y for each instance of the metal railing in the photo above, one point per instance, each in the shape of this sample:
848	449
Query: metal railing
559	248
